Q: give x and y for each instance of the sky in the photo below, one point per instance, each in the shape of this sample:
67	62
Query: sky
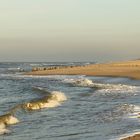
69	30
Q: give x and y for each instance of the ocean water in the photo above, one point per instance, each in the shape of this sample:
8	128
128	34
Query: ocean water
79	107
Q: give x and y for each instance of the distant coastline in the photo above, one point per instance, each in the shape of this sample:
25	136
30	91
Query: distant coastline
129	69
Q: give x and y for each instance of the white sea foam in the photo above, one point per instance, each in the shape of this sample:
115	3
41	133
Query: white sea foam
12	120
58	96
118	88
3	129
79	82
54	99
50	104
8	119
136	112
102	87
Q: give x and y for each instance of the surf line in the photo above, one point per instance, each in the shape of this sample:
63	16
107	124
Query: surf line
52	99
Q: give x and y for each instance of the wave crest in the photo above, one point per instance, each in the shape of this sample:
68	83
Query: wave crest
79	82
102	87
54	99
8	119
5	120
58	96
3	129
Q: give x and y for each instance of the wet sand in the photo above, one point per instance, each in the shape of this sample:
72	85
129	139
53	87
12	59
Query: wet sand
134	137
129	69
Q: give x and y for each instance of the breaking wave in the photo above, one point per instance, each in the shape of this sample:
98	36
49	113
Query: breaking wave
8	119
5	120
79	82
52	99
103	88
3	129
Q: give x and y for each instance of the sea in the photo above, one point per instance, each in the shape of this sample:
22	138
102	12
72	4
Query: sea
84	107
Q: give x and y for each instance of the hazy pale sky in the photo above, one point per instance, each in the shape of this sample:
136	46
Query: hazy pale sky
69	30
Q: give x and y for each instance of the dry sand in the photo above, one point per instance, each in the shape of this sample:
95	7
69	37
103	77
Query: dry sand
129	69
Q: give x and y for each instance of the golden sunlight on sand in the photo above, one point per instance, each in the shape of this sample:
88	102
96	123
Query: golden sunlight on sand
117	69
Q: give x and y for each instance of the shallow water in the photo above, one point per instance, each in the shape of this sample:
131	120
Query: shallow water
99	108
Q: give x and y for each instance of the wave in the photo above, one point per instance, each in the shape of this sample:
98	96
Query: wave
41	89
8	119
3	129
103	88
128	111
54	99
136	112
116	113
59	96
5	120
79	82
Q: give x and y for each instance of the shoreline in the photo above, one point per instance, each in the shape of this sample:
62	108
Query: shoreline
135	136
128	69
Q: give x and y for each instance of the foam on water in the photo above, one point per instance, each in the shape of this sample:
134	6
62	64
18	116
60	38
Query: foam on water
6	120
58	96
103	88
12	120
53	99
3	129
109	111
136	112
118	89
79	82
50	104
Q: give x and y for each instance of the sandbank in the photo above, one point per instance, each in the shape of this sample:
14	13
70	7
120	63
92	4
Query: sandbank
129	69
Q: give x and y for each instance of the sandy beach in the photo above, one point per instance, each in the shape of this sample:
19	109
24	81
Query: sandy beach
133	137
129	69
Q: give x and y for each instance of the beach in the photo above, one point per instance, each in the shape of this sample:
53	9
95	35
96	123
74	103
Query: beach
129	69
133	137
68	106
